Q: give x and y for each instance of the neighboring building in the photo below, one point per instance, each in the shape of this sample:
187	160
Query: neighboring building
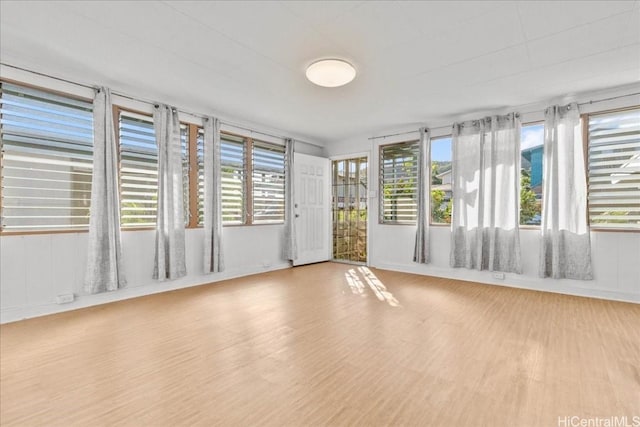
532	161
445	177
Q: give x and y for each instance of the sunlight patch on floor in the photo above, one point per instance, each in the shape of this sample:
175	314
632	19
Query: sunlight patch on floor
355	284
377	287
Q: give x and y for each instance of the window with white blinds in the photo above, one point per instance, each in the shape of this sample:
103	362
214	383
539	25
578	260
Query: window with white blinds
138	170
47	162
200	154
47	159
268	183
233	179
614	169
398	183
184	152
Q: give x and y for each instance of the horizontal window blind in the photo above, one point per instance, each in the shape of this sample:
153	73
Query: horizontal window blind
184	153
233	179
47	159
268	183
398	181
614	169
138	170
200	154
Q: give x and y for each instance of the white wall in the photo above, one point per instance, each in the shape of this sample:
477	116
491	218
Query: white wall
36	268
616	255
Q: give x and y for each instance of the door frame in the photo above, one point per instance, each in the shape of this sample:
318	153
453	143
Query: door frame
366	154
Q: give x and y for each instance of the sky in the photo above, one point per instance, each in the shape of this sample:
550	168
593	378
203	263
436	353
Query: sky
441	149
532	136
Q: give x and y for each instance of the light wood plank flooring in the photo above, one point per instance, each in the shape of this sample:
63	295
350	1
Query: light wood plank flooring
326	344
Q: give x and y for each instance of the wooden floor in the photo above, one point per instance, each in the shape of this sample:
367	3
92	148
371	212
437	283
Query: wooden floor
326	344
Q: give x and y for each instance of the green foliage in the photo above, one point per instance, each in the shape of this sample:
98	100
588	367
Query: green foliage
435	170
529	206
440	213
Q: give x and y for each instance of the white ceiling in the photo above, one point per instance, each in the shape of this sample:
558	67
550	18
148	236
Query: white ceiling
418	62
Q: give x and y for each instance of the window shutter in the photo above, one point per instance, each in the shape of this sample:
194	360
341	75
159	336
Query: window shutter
268	183
47	159
184	153
200	154
233	179
398	182
614	169
138	170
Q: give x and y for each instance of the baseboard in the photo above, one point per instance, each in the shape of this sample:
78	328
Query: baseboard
565	287
14	314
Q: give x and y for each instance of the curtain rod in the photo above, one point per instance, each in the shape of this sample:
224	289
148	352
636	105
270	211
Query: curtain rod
593	101
153	103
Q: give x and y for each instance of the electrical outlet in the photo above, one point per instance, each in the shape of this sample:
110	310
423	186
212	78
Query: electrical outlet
64	298
498	275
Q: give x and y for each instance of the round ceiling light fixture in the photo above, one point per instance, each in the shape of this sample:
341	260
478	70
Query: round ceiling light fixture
331	72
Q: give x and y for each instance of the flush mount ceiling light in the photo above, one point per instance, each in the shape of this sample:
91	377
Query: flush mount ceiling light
331	72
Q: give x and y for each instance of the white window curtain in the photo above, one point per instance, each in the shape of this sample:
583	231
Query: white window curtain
170	254
421	250
290	245
213	257
486	182
104	256
565	243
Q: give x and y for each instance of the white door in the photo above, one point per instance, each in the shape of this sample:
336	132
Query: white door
312	205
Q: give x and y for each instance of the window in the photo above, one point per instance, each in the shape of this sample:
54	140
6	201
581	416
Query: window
531	152
47	159
233	179
252	180
614	169
47	164
200	177
138	170
184	151
398	175
441	180
268	183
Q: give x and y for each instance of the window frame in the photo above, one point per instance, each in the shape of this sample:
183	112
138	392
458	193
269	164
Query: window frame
192	141
584	117
4	232
248	182
381	219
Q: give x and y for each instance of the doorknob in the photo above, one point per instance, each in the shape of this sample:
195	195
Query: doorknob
297	215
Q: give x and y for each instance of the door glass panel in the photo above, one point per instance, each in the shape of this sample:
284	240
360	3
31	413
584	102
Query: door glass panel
349	208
